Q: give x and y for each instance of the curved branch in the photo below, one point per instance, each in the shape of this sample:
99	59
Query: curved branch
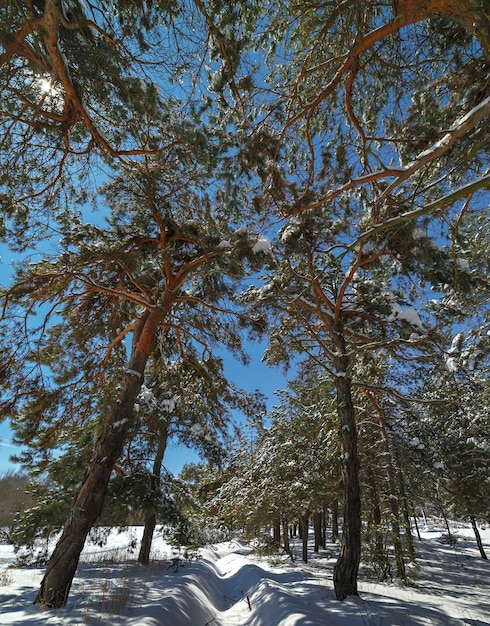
182	274
211	307
440	203
18	44
123	295
458	129
117	340
363	43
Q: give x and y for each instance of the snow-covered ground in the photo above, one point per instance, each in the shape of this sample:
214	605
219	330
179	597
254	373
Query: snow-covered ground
229	585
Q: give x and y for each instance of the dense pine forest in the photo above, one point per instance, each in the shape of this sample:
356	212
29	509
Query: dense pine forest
185	182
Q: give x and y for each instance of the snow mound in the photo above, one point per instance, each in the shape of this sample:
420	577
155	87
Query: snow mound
229	585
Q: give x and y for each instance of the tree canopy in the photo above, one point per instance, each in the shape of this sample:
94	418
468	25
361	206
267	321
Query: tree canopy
179	176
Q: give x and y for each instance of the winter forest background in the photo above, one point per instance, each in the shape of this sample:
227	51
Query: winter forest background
183	183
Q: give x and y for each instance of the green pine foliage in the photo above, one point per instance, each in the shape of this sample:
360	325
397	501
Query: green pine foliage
312	174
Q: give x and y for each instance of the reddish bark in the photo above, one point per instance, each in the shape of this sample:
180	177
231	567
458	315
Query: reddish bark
88	503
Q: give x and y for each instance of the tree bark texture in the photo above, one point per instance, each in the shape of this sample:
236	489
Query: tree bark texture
147	539
479	542
347	566
151	509
87	507
304	537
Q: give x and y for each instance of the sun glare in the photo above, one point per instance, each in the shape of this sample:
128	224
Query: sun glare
46	86
49	93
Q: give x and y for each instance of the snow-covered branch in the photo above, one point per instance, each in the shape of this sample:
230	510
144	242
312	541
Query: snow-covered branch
444	201
458	129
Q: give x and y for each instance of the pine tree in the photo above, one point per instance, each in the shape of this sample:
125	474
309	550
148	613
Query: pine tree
368	139
167	262
354	163
291	473
188	404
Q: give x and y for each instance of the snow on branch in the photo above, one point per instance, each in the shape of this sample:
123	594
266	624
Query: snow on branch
263	245
456	131
408	216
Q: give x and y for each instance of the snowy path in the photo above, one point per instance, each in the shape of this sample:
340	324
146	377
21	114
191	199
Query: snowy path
231	586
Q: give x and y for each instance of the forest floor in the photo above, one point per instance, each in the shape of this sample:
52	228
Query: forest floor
230	584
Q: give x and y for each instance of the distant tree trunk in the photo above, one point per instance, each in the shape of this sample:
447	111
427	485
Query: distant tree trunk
304	536
381	561
346	569
416	523
151	509
276	532
393	493
61	568
406	516
335	521
285	537
478	537
446	522
317	529
324	527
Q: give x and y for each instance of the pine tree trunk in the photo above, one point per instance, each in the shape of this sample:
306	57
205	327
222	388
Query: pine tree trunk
151	510
478	538
416	525
406	517
450	537
147	539
285	537
324	527
304	537
347	566
276	532
380	557
396	538
393	494
335	521
317	529
87	507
